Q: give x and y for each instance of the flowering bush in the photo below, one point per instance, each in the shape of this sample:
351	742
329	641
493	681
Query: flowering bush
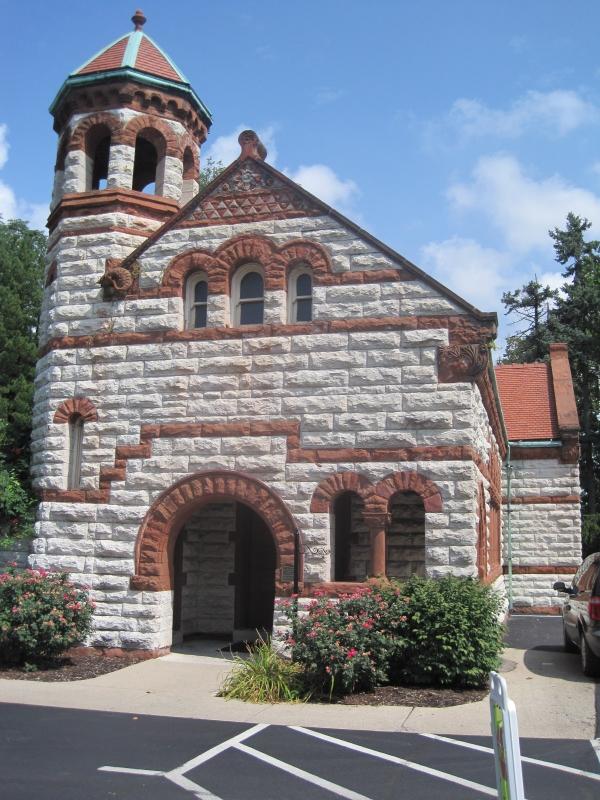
430	632
41	615
346	646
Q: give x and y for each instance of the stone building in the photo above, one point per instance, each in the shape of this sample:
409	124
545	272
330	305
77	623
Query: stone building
241	394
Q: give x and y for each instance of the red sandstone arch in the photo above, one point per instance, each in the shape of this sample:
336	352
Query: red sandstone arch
299	251
80	136
165	517
217	271
148	126
334	485
410	482
251	248
76	405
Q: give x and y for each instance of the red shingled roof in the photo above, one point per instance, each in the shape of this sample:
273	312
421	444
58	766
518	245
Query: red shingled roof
111	58
150	59
528	402
143	55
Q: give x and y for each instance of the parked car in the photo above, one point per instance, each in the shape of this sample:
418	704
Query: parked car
581	614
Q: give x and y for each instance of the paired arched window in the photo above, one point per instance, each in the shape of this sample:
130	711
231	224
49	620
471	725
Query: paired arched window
75	451
300	295
248	296
196	301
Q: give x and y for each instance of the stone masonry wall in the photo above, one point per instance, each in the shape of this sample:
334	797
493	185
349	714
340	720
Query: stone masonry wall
352	391
543	533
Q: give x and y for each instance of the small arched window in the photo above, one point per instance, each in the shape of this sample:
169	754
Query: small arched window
248	296
144	166
300	295
196	301
97	150
75	451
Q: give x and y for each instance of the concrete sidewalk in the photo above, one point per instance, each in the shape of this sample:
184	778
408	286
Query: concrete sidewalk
553	699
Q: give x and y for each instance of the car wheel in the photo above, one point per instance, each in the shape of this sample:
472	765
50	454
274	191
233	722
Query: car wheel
569	646
590	663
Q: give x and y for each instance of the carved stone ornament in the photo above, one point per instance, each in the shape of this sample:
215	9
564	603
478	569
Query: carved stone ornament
462	362
116	281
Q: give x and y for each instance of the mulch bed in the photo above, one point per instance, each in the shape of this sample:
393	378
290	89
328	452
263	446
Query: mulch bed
75	667
414	696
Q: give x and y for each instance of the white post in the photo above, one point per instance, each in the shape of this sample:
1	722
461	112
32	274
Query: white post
505	733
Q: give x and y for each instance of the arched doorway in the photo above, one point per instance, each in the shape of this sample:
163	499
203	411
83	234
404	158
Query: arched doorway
224	564
260	554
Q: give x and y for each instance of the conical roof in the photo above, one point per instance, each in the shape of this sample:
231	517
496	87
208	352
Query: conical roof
135	56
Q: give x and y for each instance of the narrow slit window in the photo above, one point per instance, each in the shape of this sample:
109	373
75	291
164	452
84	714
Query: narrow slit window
197	301
75	452
303	301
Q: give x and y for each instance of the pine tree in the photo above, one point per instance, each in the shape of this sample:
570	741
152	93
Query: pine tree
530	304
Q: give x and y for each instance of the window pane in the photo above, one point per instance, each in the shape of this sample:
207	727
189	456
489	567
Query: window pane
251	313
251	286
75	447
200	316
303	286
201	292
303	310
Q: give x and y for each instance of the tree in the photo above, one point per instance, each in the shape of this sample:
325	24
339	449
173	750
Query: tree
211	170
530	304
576	321
21	285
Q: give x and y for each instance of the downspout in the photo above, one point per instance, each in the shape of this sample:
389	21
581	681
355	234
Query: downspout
509	471
296	561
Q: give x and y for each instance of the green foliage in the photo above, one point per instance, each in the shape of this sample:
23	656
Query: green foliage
590	534
426	632
346	646
452	634
263	676
530	305
41	616
211	170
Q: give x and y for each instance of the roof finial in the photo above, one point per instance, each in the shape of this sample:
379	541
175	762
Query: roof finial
251	146
138	20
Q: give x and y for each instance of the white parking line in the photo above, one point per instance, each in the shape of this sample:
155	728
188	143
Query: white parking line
335	788
435	773
550	764
596	747
216	750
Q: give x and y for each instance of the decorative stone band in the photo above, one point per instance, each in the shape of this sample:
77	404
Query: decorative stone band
295	454
168	513
76	406
460	328
534	499
551	611
567	452
541	569
109	201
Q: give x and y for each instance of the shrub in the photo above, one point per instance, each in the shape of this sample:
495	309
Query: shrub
41	615
345	646
452	633
263	676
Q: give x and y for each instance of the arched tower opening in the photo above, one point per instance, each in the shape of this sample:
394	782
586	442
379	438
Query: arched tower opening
149	162
97	151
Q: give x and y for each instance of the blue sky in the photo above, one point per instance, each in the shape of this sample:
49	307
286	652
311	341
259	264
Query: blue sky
456	132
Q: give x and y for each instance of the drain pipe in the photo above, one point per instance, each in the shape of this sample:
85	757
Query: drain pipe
296	561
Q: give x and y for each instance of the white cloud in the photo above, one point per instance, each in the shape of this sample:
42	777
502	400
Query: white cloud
12	207
556	113
322	181
226	148
3	145
523	209
477	273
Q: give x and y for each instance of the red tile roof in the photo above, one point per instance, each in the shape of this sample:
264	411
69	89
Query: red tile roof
137	51
111	58
150	59
528	402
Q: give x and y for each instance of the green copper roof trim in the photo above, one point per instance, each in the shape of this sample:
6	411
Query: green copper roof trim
133	74
131	51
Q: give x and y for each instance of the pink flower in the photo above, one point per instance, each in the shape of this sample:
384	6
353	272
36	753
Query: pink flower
352	652
367	624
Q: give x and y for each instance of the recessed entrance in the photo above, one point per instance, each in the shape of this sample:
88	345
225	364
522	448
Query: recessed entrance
224	574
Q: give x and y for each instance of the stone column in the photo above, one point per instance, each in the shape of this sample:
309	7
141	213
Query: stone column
377	525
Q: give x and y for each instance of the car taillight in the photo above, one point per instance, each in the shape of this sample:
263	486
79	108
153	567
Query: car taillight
594	608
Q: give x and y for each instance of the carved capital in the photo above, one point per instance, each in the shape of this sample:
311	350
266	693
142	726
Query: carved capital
376	521
116	281
462	362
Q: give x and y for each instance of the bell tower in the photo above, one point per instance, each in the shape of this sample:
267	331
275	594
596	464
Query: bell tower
130	128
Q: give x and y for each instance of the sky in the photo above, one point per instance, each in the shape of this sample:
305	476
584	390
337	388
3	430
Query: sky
457	132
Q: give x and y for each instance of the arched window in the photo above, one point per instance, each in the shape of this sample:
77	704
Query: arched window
149	162
196	301
350	539
248	296
405	538
300	295
97	150
75	450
